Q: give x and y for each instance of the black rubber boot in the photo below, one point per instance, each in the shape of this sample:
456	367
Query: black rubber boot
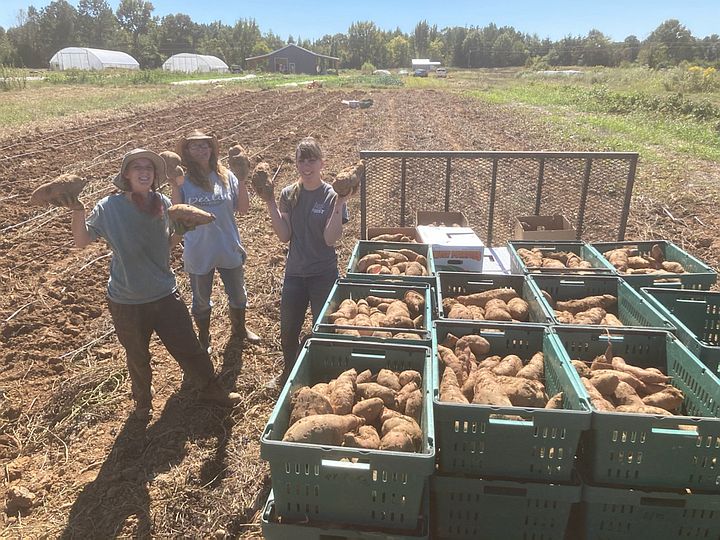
203	331
239	330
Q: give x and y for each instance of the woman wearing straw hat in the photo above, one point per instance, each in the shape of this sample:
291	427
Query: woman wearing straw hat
142	292
213	188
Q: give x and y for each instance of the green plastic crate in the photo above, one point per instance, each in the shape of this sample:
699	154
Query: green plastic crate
611	513
344	289
583	250
363	247
698	275
633	310
371	488
541	446
481	509
273	529
696	316
452	284
624	449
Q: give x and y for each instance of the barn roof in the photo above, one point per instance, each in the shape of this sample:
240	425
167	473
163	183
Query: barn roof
291	45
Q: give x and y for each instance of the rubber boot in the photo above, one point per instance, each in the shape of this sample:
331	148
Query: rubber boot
239	330
203	331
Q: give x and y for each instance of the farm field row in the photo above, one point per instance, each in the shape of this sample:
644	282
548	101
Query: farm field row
193	471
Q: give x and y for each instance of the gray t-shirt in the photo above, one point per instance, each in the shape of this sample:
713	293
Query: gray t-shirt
309	255
217	244
140	265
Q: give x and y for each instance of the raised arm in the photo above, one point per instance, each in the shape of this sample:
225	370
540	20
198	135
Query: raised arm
81	236
243	198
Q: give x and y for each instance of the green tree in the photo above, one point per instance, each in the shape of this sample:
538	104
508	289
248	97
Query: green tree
96	24
8	54
436	50
596	50
654	55
678	41
176	34
398	51
25	38
421	39
56	25
630	49
135	18
364	44
245	36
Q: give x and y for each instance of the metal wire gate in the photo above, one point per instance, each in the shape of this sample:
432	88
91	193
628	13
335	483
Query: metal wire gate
592	189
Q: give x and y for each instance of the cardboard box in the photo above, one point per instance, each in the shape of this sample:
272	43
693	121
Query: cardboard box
410	232
449	219
555	227
496	261
454	249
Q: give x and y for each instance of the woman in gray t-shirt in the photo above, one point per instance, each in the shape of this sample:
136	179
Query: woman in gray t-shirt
310	216
217	245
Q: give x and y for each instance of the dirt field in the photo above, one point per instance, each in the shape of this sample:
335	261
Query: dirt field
69	451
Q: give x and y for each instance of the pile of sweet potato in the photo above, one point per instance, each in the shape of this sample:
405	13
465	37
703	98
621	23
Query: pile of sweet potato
377	411
595	310
393	237
373	314
502	304
401	262
472	374
627	260
536	258
615	385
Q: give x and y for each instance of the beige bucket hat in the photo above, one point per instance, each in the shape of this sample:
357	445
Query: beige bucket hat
198	135
159	163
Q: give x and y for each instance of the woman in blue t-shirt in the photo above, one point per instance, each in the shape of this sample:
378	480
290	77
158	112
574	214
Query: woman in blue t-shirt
142	292
310	216
213	188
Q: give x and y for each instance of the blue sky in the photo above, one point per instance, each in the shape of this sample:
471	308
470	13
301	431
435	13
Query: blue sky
311	19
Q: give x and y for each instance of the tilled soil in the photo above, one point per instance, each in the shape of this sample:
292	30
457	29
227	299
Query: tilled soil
76	465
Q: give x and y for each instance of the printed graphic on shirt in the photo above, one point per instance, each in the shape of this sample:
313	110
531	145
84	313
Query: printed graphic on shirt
206	199
318	208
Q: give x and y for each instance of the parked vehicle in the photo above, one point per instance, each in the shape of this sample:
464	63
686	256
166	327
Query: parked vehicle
441	72
419	72
381	72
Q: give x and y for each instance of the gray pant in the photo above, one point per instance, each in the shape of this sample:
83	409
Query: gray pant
169	318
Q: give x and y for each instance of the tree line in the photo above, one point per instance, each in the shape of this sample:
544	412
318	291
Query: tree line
150	39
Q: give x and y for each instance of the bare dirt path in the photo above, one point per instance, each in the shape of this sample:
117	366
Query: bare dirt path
194	471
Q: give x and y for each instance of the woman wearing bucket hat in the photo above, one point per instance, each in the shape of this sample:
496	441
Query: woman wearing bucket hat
142	292
216	246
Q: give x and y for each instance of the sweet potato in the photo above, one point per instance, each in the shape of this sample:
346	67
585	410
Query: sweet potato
523	392
555	402
371	390
364	376
238	161
618	258
605	301
366	437
450	388
65	185
189	216
593	315
642	409
497	310
413	405
348	180
410	375
611	320
510	365
406	425
646	375
581	367
369	409
342	395
402	396
397	441
414	268
389	379
596	398
322	429
459	311
365	262
534	369
450	360
519	309
450	340
415	303
674	267
624	394
481	299
308	402
670	399
261	181
488	391
605	382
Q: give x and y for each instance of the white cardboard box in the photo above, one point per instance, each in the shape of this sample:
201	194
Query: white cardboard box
496	261
454	249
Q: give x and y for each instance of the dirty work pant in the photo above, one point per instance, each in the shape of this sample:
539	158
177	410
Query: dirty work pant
201	284
297	292
169	318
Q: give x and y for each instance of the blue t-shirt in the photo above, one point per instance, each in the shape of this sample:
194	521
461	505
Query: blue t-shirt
140	243
217	244
309	255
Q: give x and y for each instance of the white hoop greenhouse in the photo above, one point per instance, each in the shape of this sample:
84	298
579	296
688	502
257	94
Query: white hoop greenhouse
86	58
192	63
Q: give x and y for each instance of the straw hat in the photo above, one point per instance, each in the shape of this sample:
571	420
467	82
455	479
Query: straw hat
198	135
158	162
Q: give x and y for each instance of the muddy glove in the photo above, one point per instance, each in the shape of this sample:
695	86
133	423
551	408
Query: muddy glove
67	200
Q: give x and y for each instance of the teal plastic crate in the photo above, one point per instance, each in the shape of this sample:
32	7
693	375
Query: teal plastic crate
698	275
364	247
612	513
583	250
633	310
624	449
369	488
452	284
696	316
273	529
541	446
482	509
344	289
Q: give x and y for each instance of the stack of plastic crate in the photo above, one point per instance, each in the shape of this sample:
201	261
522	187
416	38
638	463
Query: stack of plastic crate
506	472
